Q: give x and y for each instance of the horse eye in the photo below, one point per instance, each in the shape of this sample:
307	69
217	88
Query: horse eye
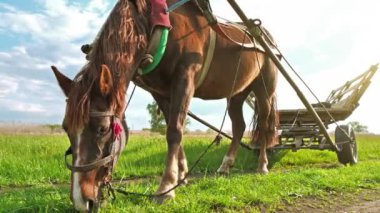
64	127
102	130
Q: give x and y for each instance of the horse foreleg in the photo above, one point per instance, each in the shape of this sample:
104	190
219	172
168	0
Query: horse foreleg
235	111
182	161
182	165
180	98
164	105
264	87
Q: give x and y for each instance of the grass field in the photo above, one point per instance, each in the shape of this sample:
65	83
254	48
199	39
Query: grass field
33	177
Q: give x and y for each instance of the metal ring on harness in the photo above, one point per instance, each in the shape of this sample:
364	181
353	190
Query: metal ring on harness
256	22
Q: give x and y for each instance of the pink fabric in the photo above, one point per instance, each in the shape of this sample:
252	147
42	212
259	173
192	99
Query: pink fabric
159	16
117	131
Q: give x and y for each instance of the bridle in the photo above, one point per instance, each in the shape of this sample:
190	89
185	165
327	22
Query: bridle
107	161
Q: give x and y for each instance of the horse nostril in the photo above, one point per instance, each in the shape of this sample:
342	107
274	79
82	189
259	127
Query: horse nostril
92	206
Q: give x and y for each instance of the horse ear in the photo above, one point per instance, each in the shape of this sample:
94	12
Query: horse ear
105	81
63	81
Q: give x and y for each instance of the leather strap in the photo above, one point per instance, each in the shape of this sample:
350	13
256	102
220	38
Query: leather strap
251	42
208	60
219	29
104	161
101	114
86	167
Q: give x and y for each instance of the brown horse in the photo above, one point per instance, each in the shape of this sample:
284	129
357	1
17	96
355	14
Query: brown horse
101	86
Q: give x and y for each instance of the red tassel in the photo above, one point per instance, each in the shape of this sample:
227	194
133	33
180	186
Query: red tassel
117	131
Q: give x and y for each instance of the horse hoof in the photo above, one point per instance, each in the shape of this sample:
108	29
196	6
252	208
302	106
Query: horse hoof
182	178
262	171
185	182
160	199
223	171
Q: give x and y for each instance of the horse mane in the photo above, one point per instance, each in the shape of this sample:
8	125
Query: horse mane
118	46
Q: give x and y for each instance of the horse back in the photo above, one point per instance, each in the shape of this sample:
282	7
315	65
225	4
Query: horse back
187	46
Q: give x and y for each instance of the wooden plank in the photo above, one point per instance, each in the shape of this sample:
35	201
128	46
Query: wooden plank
304	116
340	108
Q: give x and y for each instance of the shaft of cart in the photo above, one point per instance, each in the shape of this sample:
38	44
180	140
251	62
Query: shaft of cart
254	29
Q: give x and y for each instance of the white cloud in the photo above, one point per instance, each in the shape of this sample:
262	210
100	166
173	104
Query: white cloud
59	21
98	5
4	56
20	22
8	86
52	35
21	106
7	7
20	53
328	42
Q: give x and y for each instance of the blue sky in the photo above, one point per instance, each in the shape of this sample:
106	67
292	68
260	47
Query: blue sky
328	42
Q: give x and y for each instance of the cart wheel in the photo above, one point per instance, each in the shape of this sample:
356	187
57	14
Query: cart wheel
348	151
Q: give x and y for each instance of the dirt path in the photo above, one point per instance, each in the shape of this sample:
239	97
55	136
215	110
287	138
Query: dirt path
365	201
369	207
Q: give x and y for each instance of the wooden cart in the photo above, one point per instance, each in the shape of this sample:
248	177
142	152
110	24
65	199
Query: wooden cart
307	128
299	130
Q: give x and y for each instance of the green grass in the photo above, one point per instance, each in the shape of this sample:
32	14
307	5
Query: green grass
31	159
33	177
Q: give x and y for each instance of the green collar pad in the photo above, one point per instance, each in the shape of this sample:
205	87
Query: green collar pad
158	54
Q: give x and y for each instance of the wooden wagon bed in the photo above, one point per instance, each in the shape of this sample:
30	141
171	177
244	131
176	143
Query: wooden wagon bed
299	130
338	106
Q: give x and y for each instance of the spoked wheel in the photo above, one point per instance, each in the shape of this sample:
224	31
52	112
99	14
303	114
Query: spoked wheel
345	140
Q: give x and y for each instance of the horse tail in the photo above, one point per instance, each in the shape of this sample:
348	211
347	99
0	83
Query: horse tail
272	123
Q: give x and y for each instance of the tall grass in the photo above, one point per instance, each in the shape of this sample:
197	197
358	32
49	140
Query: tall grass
32	159
37	162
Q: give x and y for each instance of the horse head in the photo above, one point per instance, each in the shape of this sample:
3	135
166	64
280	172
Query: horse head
95	104
97	132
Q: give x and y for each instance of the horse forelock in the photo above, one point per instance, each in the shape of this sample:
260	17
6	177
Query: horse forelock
78	102
84	88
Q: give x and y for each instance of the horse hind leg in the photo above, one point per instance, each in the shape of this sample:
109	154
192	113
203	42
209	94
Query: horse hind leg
265	103
235	111
265	135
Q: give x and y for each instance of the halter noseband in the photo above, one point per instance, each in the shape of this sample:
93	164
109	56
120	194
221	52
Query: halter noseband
116	136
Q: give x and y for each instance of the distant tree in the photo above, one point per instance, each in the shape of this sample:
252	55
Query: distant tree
210	131
187	123
358	127
54	128
157	119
